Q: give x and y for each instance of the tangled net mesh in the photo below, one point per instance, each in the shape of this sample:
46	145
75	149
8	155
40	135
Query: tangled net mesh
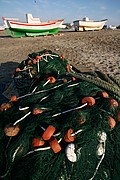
61	123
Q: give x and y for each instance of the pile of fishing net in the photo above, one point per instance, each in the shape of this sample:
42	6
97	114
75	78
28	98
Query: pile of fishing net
62	124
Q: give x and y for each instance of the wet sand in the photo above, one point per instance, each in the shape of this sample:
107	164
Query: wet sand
99	50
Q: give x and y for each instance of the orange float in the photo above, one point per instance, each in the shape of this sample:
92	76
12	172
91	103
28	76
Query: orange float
113	102
38	57
89	100
48	132
34	61
46	52
62	56
68	67
111	122
17	69
14	98
5	106
73	78
103	94
32	72
38	142
29	62
54	145
64	80
51	79
68	136
37	111
80	121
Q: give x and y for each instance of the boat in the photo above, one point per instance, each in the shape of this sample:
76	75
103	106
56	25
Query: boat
2	28
88	25
112	27
32	26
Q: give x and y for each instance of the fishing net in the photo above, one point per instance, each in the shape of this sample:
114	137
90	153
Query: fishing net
62	124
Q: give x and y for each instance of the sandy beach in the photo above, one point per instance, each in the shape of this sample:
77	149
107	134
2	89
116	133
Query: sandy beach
98	50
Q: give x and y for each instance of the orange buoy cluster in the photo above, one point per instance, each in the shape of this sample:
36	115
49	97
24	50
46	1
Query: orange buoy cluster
47	136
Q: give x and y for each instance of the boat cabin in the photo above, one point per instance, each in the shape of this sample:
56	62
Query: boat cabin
30	19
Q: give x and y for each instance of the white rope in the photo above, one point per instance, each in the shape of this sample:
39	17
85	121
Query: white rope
98	164
41	149
23	109
80	130
22	118
102	139
71	85
15	153
46	82
70	110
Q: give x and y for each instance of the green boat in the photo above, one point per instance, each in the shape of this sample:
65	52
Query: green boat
33	26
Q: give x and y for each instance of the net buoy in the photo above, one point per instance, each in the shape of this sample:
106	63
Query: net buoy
48	132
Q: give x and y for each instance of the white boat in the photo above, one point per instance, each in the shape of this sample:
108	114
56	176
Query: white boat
2	28
32	26
88	25
112	27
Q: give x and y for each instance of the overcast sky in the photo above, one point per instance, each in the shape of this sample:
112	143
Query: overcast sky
70	10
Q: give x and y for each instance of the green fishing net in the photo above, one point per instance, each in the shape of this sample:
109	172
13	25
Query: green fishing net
62	124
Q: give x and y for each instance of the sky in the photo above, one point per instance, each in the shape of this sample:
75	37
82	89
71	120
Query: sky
69	10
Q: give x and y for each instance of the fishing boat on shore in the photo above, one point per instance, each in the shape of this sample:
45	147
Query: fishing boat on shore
2	28
88	25
32	26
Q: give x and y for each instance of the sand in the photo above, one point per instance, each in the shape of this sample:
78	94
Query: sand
98	50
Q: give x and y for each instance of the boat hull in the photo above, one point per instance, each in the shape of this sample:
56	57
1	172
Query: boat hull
89	25
18	29
16	32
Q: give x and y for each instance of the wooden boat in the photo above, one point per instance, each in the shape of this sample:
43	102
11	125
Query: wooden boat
87	25
2	28
33	26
